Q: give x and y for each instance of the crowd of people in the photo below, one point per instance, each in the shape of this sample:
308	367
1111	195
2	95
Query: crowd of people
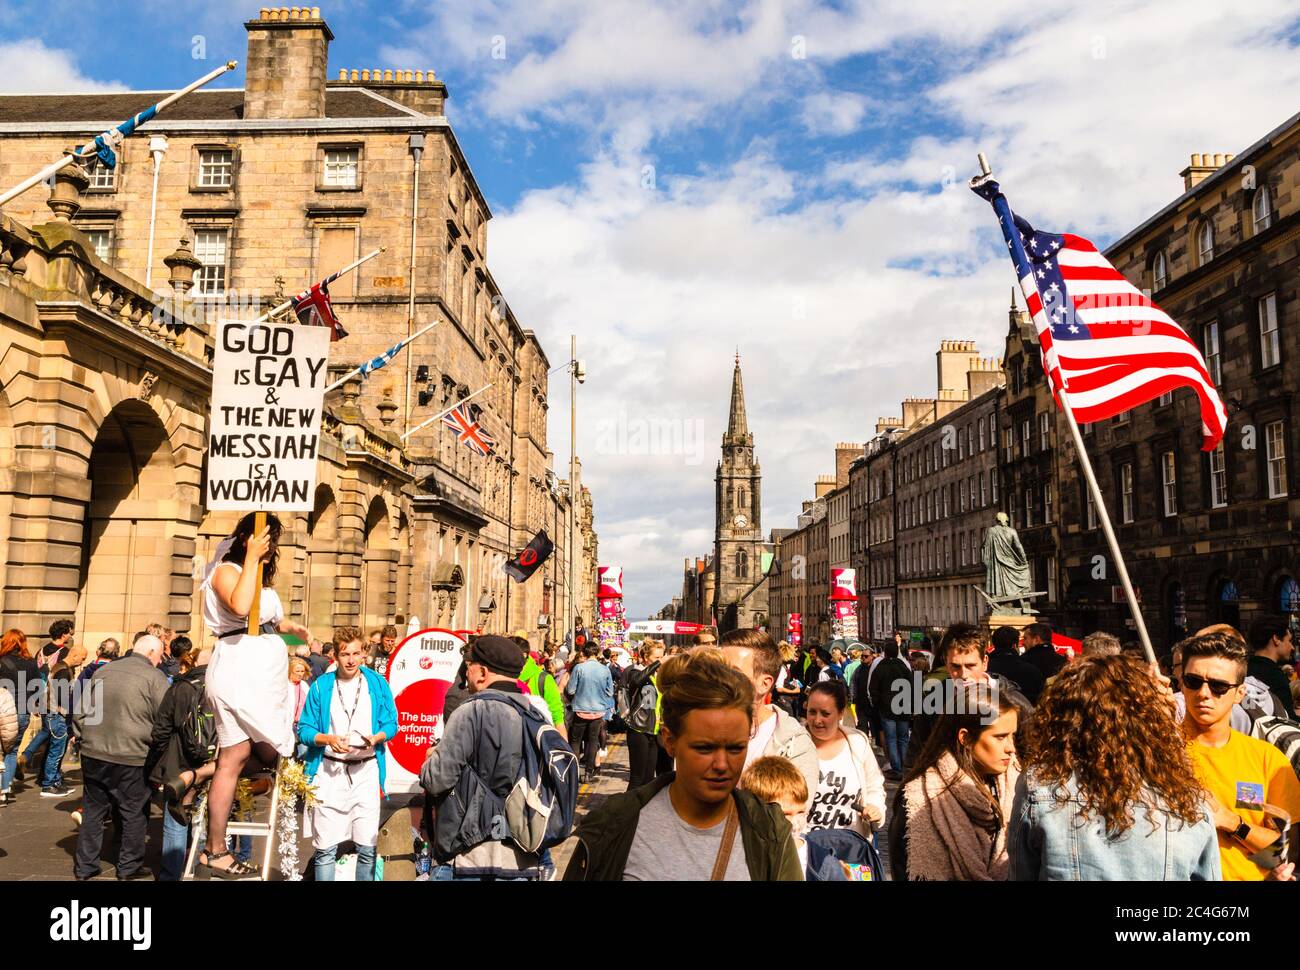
966	757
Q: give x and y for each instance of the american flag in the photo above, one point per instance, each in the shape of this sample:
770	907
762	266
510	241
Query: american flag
312	307
468	431
1105	343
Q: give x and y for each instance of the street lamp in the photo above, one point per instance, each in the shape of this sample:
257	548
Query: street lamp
157	148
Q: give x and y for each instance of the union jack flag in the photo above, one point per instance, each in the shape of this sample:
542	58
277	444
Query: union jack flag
1105	343
312	307
468	431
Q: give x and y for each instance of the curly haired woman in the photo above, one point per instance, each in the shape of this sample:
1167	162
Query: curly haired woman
1109	792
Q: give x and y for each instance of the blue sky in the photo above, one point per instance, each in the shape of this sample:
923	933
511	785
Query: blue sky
673	179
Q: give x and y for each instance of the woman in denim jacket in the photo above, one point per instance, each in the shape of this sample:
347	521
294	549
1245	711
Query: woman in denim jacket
1109	792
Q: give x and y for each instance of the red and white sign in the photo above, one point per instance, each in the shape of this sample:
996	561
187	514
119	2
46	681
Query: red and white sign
794	629
844	584
610	582
420	672
842	609
609	609
665	627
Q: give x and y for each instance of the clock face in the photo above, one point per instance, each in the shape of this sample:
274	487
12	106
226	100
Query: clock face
740	521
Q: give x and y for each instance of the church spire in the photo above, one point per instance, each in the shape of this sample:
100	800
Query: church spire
737	426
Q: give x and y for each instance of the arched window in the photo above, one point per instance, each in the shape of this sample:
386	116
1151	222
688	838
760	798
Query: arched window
740	498
1228	599
1261	208
742	564
1205	242
1159	271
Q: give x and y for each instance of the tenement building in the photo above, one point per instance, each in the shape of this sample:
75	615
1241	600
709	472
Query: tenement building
1208	537
105	361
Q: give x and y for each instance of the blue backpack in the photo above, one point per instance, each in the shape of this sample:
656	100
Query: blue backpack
537	812
841	855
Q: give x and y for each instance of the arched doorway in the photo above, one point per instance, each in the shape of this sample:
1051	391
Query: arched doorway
128	537
1287	602
1226	603
322	563
376	568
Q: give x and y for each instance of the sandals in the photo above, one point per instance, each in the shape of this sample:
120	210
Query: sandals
236	869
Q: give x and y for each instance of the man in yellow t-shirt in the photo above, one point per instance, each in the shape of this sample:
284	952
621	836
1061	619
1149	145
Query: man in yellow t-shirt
1241	773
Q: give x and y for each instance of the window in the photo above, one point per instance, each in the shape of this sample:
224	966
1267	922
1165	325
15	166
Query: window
102	178
1047	504
1169	474
1268	337
341	167
1159	271
1051	579
1275	454
1218	477
1009	443
216	168
993	486
1029	507
1090	506
961	446
1126	492
961	497
1213	361
101	241
1044	431
981	438
1025	438
983	499
1205	242
1261	209
210	250
1166	398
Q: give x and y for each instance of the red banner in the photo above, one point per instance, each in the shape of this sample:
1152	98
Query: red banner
842	610
794	629
844	585
610	581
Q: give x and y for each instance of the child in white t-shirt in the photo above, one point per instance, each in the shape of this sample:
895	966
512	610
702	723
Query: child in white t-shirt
777	780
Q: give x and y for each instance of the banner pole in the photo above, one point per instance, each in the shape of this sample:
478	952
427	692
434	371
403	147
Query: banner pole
357	370
255	608
443	413
329	279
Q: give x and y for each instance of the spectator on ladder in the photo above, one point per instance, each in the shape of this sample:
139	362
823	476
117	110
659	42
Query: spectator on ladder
246	677
348	716
115	719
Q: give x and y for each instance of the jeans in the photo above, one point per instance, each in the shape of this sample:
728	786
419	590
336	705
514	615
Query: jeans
121	788
897	733
175	843
642	754
323	863
11	759
38	741
448	874
56	727
586	734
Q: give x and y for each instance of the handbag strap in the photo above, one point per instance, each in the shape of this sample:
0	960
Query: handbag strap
728	840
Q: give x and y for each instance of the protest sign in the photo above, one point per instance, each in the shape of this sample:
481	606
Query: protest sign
268	385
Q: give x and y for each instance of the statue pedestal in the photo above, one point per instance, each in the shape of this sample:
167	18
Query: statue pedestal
994	621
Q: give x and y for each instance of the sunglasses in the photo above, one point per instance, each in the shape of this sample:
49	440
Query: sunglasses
1217	687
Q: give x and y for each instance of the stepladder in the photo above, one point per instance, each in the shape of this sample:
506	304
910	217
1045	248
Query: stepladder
236	828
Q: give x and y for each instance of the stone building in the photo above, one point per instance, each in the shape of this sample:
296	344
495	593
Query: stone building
1208	537
877	579
272	186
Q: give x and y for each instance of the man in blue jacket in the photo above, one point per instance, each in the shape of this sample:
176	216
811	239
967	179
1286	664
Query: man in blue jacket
347	717
591	687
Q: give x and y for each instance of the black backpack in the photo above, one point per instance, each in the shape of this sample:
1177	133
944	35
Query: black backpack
198	733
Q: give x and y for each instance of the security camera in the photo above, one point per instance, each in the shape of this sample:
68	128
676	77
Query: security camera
580	371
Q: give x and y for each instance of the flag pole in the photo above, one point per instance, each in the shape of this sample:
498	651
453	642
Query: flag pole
71	157
393	350
446	411
329	279
1026	280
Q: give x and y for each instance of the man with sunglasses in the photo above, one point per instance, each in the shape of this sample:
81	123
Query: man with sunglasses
1241	773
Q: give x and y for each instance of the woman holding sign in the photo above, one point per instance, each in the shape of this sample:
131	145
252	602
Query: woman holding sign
246	678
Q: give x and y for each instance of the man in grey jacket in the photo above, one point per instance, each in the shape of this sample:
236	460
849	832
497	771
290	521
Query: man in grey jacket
114	718
486	737
756	655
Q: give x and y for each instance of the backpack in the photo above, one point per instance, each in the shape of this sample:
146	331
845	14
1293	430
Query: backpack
841	855
640	716
1283	734
537	812
198	733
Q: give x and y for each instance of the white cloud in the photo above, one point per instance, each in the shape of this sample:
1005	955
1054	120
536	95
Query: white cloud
28	65
835	112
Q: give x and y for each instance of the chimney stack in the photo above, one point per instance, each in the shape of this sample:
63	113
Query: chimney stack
288	57
845	453
1203	166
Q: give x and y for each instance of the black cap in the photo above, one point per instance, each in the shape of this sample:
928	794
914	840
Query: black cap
498	654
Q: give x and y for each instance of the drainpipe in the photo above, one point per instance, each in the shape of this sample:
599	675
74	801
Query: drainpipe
417	150
158	147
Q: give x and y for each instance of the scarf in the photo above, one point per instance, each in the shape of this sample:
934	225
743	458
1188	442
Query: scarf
953	830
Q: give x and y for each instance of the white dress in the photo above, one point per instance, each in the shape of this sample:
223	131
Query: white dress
347	791
247	674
